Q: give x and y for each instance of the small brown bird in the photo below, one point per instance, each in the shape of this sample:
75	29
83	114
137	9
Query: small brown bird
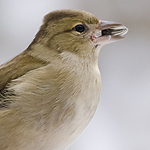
49	92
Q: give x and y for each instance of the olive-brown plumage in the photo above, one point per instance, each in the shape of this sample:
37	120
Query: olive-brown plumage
49	92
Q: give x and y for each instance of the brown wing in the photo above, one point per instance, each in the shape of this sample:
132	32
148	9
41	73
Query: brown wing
17	67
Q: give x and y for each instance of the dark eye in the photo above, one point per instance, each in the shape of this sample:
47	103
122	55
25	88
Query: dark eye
79	28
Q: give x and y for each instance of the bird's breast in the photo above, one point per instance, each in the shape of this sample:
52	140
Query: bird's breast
60	105
80	112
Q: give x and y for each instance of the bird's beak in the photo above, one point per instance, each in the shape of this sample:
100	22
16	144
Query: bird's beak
108	32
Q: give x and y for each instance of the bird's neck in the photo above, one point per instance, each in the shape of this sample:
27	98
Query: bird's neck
89	58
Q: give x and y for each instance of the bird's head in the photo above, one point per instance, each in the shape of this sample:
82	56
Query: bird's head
77	32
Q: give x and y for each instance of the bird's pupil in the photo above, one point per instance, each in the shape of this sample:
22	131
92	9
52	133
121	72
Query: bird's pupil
79	28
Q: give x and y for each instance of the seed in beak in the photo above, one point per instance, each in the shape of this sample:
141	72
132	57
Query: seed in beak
107	32
115	31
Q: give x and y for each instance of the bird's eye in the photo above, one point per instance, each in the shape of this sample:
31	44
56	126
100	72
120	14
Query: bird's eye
79	28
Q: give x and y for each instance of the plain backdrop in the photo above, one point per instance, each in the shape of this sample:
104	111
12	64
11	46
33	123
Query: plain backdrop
122	120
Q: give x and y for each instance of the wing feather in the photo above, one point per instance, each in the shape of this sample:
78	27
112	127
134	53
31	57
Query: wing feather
13	69
17	67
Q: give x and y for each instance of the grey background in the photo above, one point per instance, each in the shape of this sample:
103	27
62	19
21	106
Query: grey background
122	120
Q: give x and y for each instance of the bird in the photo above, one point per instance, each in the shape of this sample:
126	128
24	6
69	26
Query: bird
50	91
